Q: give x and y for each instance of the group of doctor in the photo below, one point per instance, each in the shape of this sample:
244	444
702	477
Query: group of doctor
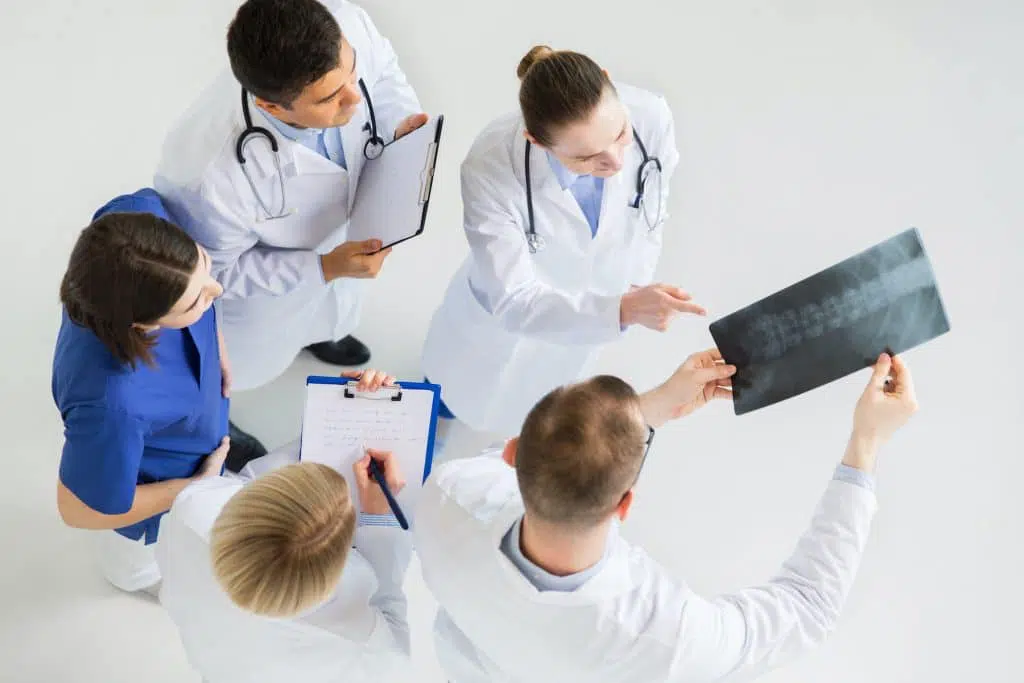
274	569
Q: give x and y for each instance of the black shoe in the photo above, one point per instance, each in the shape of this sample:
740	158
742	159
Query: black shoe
347	351
244	447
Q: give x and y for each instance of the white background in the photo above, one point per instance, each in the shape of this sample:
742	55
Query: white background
808	131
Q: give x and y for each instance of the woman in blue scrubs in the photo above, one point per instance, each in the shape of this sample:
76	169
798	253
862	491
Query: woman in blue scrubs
140	378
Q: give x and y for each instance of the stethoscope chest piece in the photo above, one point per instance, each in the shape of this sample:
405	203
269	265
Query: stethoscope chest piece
535	242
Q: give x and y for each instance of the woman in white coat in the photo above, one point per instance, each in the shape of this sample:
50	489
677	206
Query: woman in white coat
564	206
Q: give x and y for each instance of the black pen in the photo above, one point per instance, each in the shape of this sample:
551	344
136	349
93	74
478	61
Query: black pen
377	474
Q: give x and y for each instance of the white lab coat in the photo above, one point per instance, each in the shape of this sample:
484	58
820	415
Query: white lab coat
632	621
275	300
359	635
515	325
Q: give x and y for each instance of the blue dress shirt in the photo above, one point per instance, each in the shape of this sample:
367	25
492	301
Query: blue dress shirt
324	141
586	189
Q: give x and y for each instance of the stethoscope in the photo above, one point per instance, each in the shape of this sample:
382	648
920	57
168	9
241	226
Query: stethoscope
373	148
648	166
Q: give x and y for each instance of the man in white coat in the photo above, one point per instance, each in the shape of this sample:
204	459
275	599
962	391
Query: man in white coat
534	583
273	576
262	170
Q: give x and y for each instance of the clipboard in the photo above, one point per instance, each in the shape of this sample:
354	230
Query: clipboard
339	422
393	192
832	323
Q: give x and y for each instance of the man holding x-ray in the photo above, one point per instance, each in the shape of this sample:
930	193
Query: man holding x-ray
262	171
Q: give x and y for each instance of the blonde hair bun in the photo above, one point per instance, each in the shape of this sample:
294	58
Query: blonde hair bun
536	54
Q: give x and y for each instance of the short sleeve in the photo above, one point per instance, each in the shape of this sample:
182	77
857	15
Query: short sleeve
101	457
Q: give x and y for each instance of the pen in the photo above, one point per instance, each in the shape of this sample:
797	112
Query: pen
377	474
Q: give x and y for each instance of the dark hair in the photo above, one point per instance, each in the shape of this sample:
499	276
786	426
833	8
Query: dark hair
557	88
127	268
579	451
278	47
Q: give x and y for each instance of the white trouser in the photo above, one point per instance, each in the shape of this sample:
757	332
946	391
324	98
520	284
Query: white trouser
127	564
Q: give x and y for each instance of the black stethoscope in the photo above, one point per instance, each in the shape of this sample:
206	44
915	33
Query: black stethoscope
649	164
373	148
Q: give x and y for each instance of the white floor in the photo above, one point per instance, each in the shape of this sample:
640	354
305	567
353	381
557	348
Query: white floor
807	133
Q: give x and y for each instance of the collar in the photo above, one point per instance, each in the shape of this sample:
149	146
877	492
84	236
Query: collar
300	135
565	177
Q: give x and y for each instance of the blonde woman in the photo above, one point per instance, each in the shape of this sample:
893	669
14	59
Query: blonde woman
289	576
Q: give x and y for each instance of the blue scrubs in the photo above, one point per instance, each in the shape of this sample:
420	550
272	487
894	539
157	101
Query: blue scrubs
125	427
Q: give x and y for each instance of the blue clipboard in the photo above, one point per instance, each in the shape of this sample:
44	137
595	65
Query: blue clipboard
394	394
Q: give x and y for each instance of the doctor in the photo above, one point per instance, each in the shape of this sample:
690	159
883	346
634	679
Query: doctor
262	171
535	583
141	380
564	206
279	578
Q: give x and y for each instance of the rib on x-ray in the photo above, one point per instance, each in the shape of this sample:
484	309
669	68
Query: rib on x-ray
832	323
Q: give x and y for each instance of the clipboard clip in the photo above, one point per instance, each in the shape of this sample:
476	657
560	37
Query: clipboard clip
382	394
427	174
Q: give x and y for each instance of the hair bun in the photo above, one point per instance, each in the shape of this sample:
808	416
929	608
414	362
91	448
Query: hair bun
536	54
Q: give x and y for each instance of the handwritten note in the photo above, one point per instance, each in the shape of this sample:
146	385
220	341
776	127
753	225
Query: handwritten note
336	429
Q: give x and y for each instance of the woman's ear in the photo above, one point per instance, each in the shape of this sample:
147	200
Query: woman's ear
509	453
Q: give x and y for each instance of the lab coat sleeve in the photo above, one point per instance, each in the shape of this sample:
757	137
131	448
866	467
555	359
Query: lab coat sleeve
388	550
503	278
393	98
244	267
744	634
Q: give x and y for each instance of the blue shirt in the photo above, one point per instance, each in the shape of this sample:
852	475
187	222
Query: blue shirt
545	581
324	141
587	190
125	427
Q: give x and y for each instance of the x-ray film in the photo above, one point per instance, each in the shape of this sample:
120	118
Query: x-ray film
832	323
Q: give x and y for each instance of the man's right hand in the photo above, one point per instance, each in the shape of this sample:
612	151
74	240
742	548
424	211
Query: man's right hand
887	404
354	259
654	306
214	462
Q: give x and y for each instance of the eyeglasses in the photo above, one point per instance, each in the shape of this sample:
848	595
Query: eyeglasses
647	449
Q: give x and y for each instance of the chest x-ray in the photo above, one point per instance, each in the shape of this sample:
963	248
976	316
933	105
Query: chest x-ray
832	323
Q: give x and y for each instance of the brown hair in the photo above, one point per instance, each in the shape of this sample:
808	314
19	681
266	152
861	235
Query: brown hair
126	269
557	88
279	545
579	451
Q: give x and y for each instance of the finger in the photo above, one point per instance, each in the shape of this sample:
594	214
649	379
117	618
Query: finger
722	392
393	473
352	374
225	445
687	307
390	380
713	353
677	293
714	373
366	380
371	246
383	253
901	378
361	469
378	455
881	371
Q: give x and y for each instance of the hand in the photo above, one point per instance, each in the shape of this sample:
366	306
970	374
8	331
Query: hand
701	378
354	259
409	124
886	405
654	306
369	379
225	366
214	462
371	497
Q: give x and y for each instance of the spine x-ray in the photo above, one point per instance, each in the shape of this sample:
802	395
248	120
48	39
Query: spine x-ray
832	323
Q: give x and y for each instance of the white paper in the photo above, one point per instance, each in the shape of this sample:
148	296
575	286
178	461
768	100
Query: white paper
336	431
388	205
